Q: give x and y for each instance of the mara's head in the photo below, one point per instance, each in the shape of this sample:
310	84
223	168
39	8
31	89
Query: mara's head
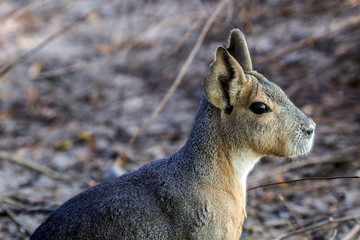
255	114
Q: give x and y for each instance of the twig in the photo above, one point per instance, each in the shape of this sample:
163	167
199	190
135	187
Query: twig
316	226
352	232
22	10
352	21
335	157
129	44
291	211
19	207
10	200
179	77
33	166
303	179
333	235
15	220
30	210
181	42
7	68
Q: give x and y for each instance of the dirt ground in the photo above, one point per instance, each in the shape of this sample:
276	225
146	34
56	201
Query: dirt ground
79	78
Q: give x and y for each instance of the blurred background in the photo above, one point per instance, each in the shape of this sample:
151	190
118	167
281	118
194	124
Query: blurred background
79	78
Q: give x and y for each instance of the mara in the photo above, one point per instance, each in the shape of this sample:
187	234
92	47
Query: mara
199	192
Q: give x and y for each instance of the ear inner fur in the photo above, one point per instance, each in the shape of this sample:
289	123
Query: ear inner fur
223	81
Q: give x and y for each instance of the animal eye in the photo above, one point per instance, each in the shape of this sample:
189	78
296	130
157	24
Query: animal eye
259	108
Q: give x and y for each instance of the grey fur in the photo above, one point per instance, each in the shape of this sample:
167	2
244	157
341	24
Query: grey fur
159	201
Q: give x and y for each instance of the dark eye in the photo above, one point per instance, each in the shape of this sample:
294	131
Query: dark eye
259	108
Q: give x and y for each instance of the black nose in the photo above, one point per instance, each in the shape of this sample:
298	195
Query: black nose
308	127
309	131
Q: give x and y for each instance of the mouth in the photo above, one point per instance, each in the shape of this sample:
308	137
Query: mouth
295	145
302	145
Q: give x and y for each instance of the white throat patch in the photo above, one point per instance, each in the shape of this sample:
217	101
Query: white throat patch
244	161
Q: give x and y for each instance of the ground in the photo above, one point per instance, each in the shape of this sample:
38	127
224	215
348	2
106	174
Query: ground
78	80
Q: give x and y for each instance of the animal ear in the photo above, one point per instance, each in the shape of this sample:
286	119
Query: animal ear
223	80
238	49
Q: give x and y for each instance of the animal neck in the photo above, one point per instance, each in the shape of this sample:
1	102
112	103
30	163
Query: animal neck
243	162
210	154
